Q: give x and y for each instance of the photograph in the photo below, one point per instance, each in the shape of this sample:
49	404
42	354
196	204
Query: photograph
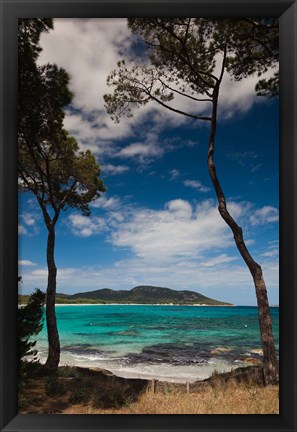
148	215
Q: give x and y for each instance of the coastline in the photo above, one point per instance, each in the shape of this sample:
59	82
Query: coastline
140	304
149	304
162	371
75	390
156	342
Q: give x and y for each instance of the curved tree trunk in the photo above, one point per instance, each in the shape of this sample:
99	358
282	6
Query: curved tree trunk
270	363
53	358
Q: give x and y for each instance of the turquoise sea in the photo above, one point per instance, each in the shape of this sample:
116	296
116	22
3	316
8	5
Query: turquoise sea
178	343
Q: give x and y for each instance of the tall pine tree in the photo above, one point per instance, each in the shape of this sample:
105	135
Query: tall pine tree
186	60
49	162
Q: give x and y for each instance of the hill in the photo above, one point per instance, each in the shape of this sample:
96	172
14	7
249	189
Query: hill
144	294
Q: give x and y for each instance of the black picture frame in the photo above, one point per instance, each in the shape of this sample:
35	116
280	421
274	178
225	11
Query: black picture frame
287	12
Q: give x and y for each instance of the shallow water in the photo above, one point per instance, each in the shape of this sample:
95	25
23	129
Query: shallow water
177	343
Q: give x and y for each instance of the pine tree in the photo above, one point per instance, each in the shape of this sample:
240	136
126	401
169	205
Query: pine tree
187	59
49	162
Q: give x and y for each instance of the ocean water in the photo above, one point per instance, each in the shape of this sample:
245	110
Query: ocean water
173	343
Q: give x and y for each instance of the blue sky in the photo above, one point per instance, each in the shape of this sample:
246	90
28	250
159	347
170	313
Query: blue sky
158	223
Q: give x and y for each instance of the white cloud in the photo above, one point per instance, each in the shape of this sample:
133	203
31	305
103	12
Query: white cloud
138	149
256	167
89	50
243	157
179	230
105	203
22	230
29	224
96	131
28	219
220	259
270	253
181	246
86	226
239	96
181	209
62	274
272	250
264	215
146	150
26	263
111	169
229	282
174	173
196	185
40	272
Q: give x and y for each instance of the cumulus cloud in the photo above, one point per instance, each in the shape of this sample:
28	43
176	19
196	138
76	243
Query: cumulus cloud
272	249
98	45
174	174
243	157
28	219
232	282
85	226
111	169
96	131
179	230
270	253
141	150
146	150
220	259
28	224
106	203
26	263
196	185
182	246
264	215
22	230
256	167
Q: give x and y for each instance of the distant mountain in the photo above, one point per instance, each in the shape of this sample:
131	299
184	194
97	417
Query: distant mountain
143	294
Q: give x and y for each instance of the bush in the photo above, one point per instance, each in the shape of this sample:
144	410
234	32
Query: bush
78	396
110	397
52	386
30	323
68	372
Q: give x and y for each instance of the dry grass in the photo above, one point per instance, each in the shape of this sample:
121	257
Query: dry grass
80	396
232	399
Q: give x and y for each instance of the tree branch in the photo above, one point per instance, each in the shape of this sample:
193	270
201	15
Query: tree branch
176	110
67	194
183	94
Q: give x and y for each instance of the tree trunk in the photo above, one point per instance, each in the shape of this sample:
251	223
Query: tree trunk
270	363
53	358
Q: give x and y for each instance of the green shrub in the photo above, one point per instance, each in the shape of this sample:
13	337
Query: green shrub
89	383
52	386
30	323
79	395
68	372
110	397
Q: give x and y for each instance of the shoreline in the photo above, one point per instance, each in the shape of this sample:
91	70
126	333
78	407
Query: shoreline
77	390
149	304
204	372
139	304
165	372
133	304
